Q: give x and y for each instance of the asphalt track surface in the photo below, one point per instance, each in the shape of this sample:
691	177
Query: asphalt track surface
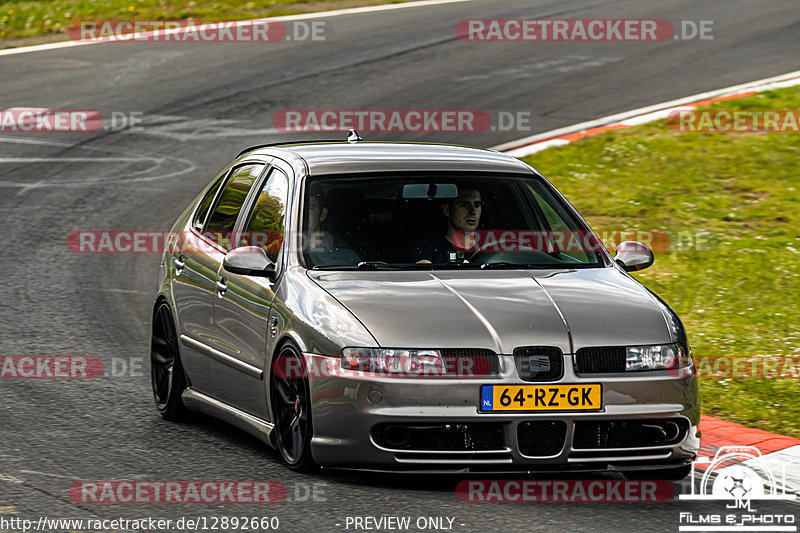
202	103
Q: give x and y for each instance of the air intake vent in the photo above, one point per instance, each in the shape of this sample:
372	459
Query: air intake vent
629	433
430	437
541	438
600	360
466	362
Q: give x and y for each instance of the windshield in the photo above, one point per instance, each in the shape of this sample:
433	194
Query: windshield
442	221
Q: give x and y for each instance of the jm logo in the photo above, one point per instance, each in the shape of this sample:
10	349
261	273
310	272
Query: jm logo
737	473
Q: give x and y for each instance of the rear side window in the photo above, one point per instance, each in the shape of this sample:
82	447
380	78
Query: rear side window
223	218
266	225
205	203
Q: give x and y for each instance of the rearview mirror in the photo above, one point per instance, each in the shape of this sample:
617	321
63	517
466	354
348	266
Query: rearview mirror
632	256
430	190
250	261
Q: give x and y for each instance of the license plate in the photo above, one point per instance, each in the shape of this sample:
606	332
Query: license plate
588	397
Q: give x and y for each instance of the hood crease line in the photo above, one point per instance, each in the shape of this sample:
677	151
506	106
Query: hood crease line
486	324
558	309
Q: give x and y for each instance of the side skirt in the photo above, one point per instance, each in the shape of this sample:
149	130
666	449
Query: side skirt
197	401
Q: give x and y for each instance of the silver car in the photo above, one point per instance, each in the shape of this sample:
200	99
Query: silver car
399	306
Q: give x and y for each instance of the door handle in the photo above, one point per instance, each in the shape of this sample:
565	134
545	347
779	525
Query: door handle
222	287
179	264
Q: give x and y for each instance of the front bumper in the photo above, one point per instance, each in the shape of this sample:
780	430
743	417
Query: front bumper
345	416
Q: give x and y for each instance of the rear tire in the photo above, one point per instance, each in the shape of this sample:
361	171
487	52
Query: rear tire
166	371
668	474
291	408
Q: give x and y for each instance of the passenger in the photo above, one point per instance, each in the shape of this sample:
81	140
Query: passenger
322	248
463	214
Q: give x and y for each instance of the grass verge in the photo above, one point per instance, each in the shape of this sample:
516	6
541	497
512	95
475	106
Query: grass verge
740	297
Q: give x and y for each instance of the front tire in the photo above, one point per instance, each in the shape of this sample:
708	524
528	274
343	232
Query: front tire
291	407
166	371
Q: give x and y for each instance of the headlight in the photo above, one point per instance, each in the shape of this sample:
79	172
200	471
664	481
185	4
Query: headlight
659	357
393	361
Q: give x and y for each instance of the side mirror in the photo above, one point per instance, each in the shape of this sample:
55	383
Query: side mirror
632	256
250	261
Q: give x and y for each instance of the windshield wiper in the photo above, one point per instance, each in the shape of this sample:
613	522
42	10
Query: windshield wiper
371	265
504	264
451	266
364	265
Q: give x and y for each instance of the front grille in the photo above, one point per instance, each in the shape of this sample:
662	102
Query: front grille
600	360
470	362
629	433
431	437
541	438
539	363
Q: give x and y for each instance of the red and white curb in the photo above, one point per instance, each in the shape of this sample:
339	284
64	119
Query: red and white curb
536	143
779	452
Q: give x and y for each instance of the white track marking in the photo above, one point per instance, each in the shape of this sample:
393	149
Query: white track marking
108	156
185	129
76	159
48	474
303	16
522	147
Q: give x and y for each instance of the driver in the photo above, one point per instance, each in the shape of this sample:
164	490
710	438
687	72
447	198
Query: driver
322	250
463	214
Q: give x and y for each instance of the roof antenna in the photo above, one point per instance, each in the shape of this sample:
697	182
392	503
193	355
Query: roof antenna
353	137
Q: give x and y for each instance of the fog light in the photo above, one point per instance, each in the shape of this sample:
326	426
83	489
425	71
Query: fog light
396	436
374	397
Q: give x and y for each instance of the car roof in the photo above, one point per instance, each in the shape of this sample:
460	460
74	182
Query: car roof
322	158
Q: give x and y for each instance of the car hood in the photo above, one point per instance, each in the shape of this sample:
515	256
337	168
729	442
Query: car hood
499	309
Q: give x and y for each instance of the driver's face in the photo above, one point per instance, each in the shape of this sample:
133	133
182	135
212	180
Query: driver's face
316	213
466	211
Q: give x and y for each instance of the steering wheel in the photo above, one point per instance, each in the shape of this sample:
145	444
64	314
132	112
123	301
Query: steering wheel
515	243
